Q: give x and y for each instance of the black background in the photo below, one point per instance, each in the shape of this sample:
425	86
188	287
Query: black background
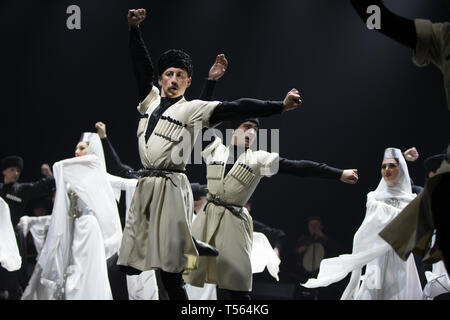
361	91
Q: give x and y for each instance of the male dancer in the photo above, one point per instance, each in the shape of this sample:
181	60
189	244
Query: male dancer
17	195
157	232
224	222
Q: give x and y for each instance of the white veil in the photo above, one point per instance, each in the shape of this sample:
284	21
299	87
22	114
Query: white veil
95	146
117	183
402	189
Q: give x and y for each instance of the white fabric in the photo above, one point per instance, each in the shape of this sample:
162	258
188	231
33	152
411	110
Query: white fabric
438	281
100	229
263	256
87	277
9	251
208	292
128	185
95	146
143	286
38	227
87	274
387	276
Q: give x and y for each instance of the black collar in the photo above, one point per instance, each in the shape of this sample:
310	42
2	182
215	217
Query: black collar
166	101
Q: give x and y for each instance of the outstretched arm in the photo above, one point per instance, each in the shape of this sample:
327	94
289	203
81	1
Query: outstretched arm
113	164
307	168
395	27
142	63
215	73
252	108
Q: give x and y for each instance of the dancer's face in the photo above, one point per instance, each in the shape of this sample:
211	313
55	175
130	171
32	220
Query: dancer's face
245	133
81	149
199	203
11	174
314	226
174	82
389	171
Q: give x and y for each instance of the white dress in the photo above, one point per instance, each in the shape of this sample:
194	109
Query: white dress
387	276
9	251
38	227
84	231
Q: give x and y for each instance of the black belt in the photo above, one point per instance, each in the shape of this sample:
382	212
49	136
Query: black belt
162	173
210	198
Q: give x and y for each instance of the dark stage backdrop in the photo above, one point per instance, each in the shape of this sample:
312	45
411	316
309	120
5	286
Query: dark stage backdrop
361	91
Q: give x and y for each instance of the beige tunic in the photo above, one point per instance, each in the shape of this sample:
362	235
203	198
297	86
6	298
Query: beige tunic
412	229
218	226
433	45
157	231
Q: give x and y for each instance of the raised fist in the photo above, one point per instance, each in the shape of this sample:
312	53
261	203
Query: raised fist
292	100
135	17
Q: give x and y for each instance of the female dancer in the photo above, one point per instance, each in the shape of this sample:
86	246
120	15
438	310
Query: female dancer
84	230
387	276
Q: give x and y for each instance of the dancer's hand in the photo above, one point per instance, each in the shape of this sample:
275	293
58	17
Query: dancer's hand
350	176
101	129
46	171
24	225
218	68
135	17
411	154
292	100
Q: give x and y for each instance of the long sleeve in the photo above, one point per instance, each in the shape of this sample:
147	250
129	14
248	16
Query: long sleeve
307	168
44	187
142	63
113	164
275	236
245	108
208	90
395	27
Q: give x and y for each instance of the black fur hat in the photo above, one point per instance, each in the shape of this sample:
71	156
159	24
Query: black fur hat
12	161
174	58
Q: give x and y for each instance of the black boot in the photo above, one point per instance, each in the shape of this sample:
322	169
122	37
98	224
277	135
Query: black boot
205	249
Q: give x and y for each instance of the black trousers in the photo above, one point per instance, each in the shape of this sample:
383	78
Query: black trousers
440	206
174	285
225	294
